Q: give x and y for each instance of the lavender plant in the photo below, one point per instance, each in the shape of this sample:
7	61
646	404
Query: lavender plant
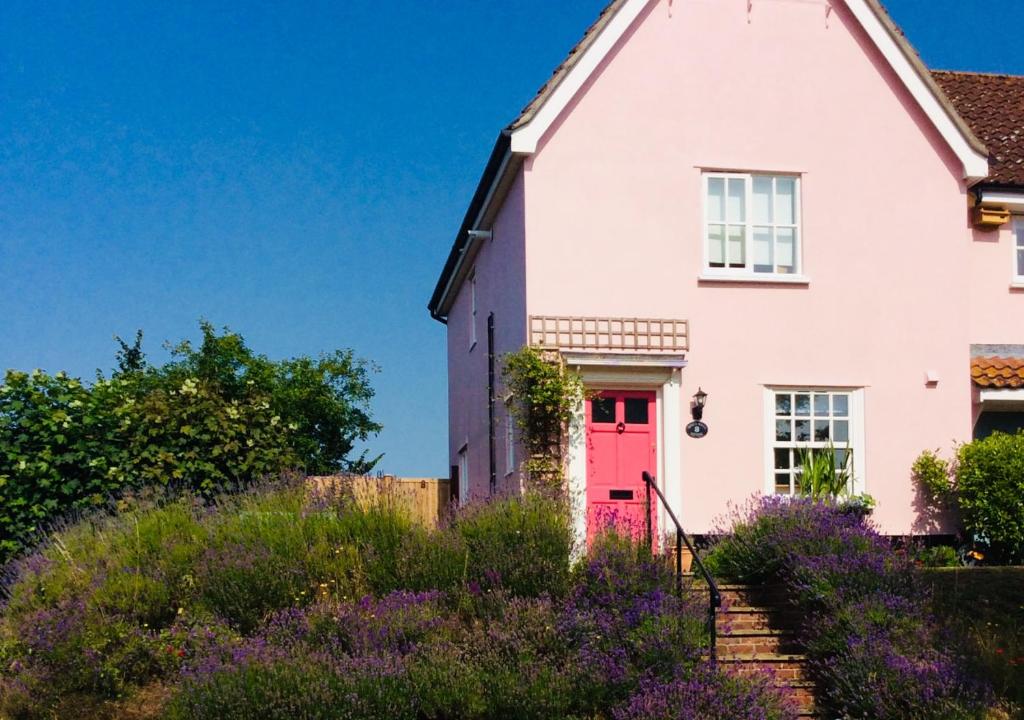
873	648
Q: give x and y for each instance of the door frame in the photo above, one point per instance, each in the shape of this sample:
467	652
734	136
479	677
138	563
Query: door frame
663	376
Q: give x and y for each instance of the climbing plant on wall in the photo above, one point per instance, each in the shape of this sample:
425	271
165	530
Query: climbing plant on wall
545	395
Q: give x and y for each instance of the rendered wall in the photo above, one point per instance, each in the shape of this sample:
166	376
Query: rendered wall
500	288
614	227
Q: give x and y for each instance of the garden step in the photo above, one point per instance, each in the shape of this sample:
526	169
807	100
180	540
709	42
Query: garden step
785	668
750	617
756	640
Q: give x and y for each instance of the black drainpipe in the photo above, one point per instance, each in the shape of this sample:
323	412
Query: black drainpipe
490	403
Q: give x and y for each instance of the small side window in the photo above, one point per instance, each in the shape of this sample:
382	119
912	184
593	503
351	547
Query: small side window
1018	250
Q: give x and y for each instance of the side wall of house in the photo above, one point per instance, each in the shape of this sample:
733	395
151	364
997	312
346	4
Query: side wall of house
499	272
615	229
997	309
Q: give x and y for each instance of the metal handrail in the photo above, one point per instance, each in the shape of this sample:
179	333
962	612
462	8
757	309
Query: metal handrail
714	596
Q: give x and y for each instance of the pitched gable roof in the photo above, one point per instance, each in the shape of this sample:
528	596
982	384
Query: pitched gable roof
521	137
993	105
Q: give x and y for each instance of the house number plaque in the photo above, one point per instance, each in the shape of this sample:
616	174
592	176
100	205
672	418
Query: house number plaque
696	429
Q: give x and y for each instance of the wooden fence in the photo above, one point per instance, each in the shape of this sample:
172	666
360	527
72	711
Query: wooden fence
426	499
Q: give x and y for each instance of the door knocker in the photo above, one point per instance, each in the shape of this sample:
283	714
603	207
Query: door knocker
620	428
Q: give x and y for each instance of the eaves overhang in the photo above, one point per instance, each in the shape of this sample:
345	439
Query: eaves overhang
497	169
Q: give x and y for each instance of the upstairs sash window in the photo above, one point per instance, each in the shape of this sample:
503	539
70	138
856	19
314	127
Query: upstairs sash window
751	224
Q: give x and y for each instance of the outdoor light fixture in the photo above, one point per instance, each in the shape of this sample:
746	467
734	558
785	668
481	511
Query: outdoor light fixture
697	429
700	399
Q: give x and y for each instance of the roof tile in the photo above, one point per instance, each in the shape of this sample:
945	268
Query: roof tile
998	372
993	106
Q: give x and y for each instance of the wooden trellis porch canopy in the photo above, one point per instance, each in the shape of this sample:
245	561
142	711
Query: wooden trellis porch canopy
610	334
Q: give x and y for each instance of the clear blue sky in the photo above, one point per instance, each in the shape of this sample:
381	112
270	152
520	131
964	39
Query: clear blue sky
295	171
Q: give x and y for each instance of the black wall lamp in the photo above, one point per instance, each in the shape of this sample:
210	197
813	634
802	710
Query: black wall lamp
700	399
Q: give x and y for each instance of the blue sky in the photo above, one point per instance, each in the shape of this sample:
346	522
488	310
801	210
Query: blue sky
295	171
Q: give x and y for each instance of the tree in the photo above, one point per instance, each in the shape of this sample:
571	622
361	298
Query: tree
215	414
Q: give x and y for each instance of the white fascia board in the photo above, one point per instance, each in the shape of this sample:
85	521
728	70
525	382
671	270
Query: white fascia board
1002	395
526	138
975	165
1009	200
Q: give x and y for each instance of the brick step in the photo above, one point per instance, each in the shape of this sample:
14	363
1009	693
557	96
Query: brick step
785	668
756	640
750	617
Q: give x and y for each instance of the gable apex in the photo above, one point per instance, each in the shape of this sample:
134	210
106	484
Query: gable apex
617	18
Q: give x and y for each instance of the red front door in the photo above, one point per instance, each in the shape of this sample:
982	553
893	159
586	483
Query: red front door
621	445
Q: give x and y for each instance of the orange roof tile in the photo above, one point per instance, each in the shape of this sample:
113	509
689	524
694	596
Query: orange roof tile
998	372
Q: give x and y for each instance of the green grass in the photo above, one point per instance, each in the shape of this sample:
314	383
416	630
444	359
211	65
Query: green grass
984	607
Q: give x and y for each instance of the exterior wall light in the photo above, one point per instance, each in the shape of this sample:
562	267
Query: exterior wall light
700	399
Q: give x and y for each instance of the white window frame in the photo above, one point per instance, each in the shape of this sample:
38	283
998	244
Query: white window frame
472	310
510	439
856	441
747	273
463	464
1017	232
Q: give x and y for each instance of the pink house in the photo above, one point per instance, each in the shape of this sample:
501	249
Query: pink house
774	202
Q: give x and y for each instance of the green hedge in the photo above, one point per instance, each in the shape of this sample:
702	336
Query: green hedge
215	415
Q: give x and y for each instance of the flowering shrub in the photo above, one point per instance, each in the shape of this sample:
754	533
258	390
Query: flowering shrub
269	604
706	695
872	646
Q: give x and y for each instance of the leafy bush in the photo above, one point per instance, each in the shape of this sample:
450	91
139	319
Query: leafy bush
214	415
872	646
536	526
932	473
985	487
990	493
938	556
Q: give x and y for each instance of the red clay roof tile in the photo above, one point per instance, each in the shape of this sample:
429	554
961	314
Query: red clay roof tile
998	372
993	106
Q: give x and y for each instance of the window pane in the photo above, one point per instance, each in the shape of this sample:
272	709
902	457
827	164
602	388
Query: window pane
781	459
785	247
783	404
842	457
782	485
821	430
762	200
783	430
803	404
737	249
716	245
736	201
841	405
716	199
820	404
603	410
803	430
763	250
785	201
841	431
1020	261
636	411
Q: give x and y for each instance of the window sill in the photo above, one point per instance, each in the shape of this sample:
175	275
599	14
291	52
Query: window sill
1017	284
757	280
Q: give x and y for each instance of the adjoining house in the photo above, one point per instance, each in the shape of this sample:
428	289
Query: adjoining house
774	202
